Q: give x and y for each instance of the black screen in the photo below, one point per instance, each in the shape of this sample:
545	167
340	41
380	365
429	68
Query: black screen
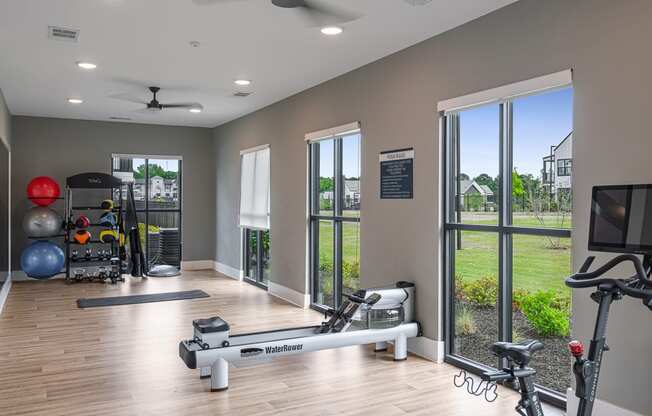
621	219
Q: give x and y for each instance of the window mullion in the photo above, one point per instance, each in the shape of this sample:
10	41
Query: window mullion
337	225
505	220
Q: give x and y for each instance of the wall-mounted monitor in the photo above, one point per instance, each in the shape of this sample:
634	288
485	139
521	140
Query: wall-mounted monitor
621	219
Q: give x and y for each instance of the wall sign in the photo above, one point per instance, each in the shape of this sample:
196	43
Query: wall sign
396	174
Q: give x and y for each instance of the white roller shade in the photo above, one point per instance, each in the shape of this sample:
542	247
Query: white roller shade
254	188
506	92
326	134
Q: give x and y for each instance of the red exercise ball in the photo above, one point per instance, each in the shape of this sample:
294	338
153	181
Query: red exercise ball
43	190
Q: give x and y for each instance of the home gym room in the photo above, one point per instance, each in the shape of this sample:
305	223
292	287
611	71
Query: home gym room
288	207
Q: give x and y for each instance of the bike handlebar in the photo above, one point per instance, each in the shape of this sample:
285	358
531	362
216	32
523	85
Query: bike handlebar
637	285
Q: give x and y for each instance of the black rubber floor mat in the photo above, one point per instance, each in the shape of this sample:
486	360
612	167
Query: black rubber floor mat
134	299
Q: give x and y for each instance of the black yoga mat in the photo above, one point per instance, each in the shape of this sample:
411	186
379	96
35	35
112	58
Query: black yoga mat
130	300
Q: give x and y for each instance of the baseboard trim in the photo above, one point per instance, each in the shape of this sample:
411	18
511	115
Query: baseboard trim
600	407
4	292
299	299
197	265
427	348
228	271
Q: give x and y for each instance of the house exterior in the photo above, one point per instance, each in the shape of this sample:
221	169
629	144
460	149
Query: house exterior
476	197
557	172
159	188
351	194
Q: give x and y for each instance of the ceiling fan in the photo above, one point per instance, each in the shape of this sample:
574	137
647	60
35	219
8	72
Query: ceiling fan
314	12
155	106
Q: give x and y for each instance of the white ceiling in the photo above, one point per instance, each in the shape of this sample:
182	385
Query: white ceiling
137	43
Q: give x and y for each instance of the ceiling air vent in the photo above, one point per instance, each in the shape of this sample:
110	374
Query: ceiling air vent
241	94
120	118
62	33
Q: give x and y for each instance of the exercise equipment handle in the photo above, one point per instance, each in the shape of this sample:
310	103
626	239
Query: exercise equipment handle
637	285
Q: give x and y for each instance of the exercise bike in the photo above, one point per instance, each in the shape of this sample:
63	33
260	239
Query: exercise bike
616	209
586	370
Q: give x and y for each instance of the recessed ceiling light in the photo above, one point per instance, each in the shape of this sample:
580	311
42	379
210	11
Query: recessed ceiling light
75	100
195	110
331	30
242	82
86	65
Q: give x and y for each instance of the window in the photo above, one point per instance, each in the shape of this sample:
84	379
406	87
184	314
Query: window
506	256
334	214
159	215
256	256
564	167
254	213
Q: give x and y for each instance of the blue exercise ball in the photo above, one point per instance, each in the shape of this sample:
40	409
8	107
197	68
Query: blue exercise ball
42	260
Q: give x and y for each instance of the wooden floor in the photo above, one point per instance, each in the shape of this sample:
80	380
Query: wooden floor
56	359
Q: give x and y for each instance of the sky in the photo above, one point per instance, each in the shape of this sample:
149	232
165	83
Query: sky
350	161
540	121
168	165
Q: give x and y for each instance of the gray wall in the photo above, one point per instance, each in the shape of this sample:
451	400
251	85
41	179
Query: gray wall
607	45
5	121
61	148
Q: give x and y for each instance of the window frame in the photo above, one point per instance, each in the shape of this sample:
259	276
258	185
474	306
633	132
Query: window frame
504	231
146	211
337	218
258	280
564	167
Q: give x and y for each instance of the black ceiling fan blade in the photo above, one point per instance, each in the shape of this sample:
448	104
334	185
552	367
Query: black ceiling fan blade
182	105
319	14
129	98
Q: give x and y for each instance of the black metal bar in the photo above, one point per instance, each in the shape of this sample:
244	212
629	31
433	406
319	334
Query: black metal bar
596	349
551	232
180	202
335	218
506	241
146	211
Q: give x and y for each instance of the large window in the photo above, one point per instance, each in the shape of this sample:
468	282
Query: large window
157	194
507	231
334	217
255	213
256	256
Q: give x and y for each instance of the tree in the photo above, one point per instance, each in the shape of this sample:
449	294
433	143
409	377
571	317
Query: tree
463	177
326	184
154	170
484	179
517	185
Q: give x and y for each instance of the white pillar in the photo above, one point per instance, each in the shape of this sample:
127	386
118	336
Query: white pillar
220	375
380	346
400	347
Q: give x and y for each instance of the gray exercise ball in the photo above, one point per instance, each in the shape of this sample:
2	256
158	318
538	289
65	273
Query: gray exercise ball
42	222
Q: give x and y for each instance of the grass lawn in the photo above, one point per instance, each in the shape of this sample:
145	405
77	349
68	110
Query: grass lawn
521	219
540	263
350	241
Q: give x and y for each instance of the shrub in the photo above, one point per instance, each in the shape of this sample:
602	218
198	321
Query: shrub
460	287
518	295
351	274
464	322
546	313
483	291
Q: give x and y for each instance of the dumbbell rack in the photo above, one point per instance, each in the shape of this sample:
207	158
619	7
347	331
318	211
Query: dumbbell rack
94	267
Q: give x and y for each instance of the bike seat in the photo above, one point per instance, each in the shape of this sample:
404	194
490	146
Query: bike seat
518	352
